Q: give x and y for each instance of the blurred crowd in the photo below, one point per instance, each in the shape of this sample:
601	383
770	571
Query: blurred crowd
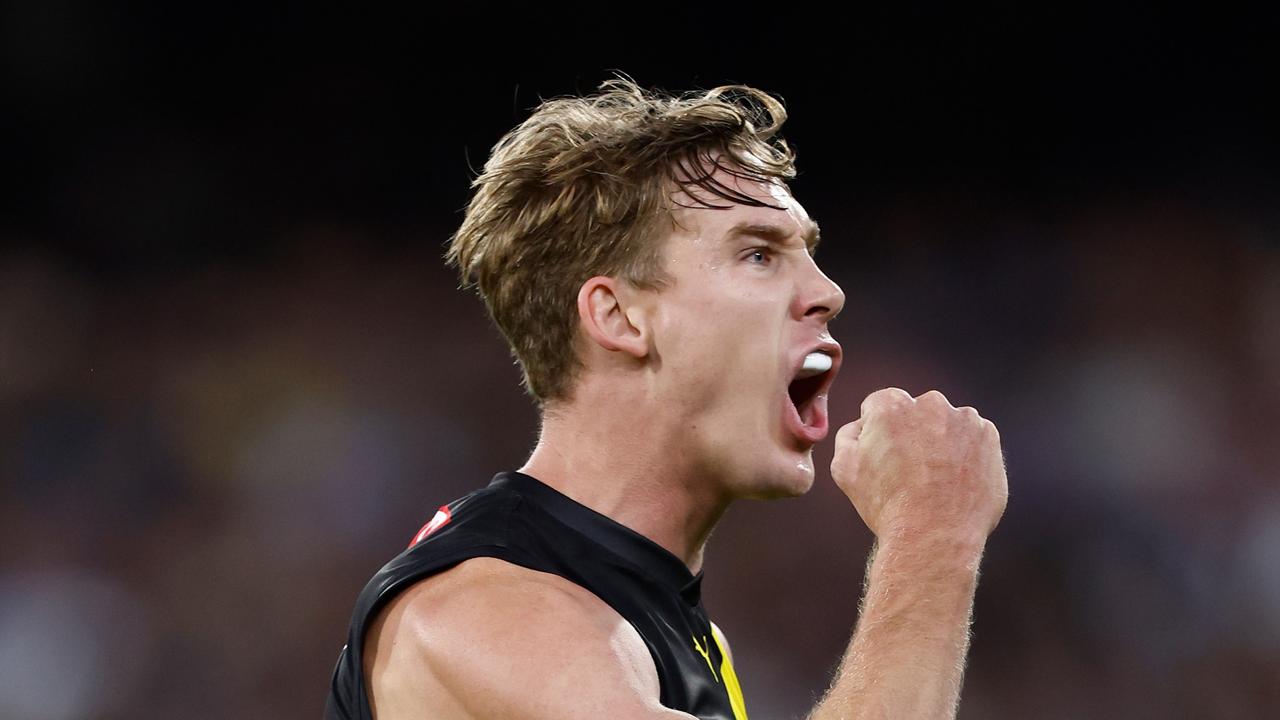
236	378
200	465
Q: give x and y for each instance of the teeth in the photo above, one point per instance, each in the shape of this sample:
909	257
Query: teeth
815	363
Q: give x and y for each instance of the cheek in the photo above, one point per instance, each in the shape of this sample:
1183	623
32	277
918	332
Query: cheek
692	328
717	347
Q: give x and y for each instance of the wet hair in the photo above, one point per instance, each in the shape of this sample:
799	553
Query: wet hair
586	186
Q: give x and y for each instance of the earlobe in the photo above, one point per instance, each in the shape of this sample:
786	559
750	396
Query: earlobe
607	321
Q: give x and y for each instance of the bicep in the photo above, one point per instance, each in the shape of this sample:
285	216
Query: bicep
496	640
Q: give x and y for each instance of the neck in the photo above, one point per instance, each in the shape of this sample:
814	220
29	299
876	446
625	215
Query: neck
631	467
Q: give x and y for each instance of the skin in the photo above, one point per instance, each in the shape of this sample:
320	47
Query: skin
682	404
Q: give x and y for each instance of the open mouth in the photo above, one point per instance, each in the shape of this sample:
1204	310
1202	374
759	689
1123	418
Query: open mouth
803	392
807	396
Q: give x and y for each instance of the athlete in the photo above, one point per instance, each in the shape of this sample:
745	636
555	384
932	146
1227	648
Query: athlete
655	278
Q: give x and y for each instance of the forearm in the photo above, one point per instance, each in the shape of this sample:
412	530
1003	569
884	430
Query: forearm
906	658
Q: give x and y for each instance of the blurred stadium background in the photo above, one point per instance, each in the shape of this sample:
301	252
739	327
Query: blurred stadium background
235	376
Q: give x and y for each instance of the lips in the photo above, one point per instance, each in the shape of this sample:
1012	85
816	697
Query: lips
805	402
808	424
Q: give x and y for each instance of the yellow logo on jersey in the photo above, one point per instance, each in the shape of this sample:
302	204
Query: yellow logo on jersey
704	650
731	685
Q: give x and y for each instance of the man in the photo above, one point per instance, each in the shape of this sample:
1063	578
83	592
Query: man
655	278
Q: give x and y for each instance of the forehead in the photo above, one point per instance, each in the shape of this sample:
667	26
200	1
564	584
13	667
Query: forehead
782	217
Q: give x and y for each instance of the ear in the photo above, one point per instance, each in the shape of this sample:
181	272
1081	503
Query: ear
607	320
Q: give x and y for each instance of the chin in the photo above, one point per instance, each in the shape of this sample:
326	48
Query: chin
789	475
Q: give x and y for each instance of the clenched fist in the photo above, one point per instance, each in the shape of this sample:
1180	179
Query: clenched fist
921	466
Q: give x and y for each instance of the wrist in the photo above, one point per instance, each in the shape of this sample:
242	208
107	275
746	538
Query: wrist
945	550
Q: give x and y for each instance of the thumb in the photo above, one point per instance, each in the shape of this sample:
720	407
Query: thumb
849	433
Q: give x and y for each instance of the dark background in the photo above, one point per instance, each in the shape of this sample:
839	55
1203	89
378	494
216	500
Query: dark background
235	376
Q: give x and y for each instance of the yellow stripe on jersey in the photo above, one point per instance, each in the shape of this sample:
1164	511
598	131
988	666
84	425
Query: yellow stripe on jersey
730	677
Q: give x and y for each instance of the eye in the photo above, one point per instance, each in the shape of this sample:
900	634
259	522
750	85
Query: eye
758	256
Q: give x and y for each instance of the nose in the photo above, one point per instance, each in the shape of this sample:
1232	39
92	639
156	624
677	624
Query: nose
819	297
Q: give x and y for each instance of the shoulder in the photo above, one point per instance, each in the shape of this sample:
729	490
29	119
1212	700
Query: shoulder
491	639
722	641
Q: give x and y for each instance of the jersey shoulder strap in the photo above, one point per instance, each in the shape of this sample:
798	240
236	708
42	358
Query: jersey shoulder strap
476	525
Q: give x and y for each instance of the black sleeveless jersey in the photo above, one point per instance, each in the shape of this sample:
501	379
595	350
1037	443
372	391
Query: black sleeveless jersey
523	521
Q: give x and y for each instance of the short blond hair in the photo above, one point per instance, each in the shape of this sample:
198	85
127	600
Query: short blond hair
584	187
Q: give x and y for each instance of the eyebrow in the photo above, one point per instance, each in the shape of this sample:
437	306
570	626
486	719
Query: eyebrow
777	233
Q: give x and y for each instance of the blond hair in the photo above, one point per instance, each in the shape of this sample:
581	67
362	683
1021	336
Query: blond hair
583	188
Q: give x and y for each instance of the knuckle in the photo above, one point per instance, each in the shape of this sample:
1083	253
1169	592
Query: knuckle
886	398
934	396
893	394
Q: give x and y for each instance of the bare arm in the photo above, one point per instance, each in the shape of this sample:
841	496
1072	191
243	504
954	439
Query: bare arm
488	639
906	658
929	481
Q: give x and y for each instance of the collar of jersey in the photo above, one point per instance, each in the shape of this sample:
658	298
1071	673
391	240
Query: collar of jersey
648	555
